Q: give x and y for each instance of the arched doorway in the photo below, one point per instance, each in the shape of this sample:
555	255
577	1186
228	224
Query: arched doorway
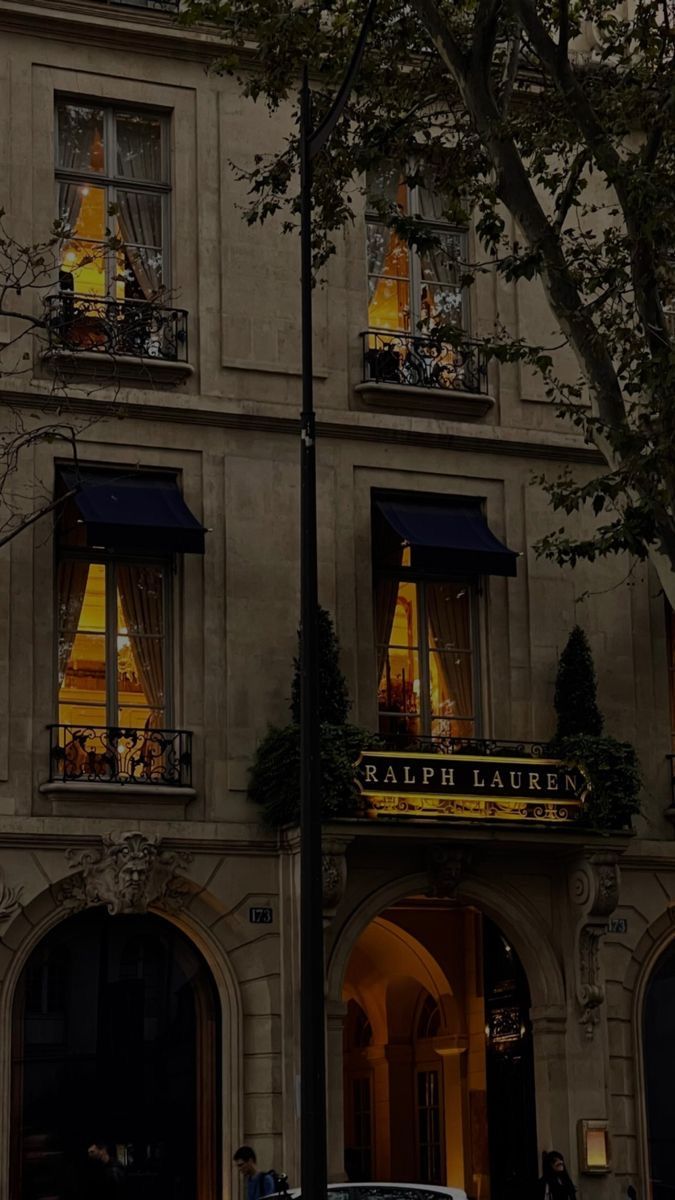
115	1037
438	1064
658	1040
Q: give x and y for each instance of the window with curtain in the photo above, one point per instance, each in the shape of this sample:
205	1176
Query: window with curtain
112	642
426	655
429	1144
411	292
112	173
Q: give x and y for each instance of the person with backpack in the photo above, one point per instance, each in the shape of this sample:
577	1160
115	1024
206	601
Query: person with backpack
258	1183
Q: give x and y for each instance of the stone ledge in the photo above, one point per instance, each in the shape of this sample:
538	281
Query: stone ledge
118	367
136	793
465	406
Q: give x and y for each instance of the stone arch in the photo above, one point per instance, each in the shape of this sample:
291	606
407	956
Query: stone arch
518	920
655	941
23	936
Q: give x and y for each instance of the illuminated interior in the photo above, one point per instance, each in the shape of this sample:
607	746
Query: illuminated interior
430	634
90	650
436	1026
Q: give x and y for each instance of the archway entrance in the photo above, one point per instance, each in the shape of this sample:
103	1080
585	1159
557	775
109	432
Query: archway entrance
438	1066
116	1039
659	1065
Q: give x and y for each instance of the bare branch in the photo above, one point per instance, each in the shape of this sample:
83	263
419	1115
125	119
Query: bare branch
511	70
564	200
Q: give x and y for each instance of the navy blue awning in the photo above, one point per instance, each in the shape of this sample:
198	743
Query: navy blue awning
448	537
135	512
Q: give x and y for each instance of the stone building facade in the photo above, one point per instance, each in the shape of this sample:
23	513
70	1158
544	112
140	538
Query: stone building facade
148	919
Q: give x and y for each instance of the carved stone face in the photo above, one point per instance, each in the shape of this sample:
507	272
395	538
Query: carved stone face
132	880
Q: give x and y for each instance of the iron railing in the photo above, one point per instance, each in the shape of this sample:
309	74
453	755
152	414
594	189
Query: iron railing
139	328
474	747
415	361
109	754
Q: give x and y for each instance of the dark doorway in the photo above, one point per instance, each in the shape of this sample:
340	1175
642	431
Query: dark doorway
509	1070
115	1035
659	1065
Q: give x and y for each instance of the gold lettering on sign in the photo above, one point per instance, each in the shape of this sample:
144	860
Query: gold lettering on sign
371	772
477	780
534	781
448	776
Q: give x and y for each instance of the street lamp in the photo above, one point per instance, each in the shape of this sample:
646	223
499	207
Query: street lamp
313	1152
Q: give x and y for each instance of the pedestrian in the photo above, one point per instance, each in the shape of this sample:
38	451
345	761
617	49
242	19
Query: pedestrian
555	1183
258	1183
107	1171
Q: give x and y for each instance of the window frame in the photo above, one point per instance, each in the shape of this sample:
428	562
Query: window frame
421	579
111	183
414	277
110	561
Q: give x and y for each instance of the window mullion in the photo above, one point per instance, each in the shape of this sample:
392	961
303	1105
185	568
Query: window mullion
111	642
423	654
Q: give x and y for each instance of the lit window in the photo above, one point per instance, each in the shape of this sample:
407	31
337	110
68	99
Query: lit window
112	644
410	291
112	177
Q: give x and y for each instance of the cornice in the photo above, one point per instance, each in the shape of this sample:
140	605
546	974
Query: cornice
116	28
491	441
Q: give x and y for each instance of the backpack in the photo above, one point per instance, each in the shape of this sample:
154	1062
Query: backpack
279	1181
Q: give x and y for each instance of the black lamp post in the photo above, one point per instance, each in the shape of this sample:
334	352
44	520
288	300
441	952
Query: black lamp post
313	1150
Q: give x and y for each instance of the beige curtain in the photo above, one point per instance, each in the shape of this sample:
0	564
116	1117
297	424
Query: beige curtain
450	632
387	554
72	584
141	598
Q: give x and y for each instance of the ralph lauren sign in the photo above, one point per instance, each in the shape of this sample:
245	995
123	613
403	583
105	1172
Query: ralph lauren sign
458	785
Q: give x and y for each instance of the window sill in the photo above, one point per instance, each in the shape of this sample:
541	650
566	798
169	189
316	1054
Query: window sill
96	794
116	367
465	406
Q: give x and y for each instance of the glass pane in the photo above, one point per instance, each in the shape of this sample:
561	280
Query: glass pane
80	137
140	671
79	717
386	185
440	305
129	717
83	268
140	599
431	204
389	303
140	273
84	677
450	657
140	217
83	208
140	646
139	146
442	264
387	254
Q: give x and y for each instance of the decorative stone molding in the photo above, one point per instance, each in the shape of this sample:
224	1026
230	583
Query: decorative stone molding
334	874
127	873
594	887
446	866
10	899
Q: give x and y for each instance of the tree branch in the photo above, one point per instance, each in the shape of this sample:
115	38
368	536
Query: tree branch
565	198
511	70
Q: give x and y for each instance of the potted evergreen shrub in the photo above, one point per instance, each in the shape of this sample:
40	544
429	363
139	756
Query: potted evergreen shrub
611	767
274	780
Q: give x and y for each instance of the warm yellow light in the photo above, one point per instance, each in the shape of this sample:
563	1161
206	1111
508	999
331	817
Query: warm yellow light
70	257
596	1148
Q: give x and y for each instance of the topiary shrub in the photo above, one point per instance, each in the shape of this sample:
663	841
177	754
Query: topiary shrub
613	773
611	767
274	778
275	774
334	702
575	698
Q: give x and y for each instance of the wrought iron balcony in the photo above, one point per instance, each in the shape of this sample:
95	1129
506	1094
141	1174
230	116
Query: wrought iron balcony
106	754
416	361
138	328
478	747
